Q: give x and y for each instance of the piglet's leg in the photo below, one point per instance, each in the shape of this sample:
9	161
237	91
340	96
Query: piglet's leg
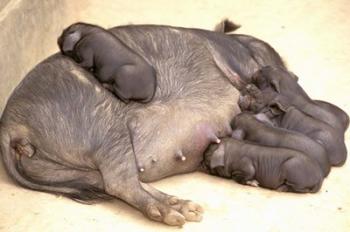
245	171
301	174
86	58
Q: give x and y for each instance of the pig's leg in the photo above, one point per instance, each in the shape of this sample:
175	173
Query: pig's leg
189	209
119	173
87	184
48	171
121	179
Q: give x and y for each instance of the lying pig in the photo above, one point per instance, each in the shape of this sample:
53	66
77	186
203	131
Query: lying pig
274	168
120	69
278	82
294	119
248	127
62	132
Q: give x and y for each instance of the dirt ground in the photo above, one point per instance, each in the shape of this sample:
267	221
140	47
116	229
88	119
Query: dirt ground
312	36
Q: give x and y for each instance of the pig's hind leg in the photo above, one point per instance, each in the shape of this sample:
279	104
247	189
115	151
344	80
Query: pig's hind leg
88	184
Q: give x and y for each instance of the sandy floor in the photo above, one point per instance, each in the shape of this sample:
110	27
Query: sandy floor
312	36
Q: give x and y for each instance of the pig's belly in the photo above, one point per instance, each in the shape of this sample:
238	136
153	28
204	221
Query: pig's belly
178	135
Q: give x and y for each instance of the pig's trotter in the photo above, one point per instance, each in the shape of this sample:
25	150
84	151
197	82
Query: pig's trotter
190	210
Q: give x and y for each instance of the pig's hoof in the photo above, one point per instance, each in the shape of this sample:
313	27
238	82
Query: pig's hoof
190	210
162	213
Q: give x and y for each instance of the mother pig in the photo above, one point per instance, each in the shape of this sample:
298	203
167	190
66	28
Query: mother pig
62	132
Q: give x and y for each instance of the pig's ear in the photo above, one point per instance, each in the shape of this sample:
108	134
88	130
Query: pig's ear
225	67
260	80
218	157
238	134
276	108
296	78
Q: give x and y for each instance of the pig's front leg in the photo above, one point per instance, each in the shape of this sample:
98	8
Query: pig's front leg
301	175
120	176
158	158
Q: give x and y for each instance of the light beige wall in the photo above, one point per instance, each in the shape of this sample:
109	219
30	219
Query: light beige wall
28	34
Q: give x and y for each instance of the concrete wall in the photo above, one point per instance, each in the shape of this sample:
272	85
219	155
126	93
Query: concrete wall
28	33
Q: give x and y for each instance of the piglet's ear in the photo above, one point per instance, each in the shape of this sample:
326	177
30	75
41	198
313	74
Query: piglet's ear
296	78
275	85
218	157
238	134
70	40
276	108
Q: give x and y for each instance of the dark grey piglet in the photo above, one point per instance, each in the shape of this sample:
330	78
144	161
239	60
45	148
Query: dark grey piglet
273	168
336	111
248	127
120	69
292	118
278	82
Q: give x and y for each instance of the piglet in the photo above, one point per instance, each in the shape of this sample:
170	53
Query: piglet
115	65
256	128
294	119
274	168
278	83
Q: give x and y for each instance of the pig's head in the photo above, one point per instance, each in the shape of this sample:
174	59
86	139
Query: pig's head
72	35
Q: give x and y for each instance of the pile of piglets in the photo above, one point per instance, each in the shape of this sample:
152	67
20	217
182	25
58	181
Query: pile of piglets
283	139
